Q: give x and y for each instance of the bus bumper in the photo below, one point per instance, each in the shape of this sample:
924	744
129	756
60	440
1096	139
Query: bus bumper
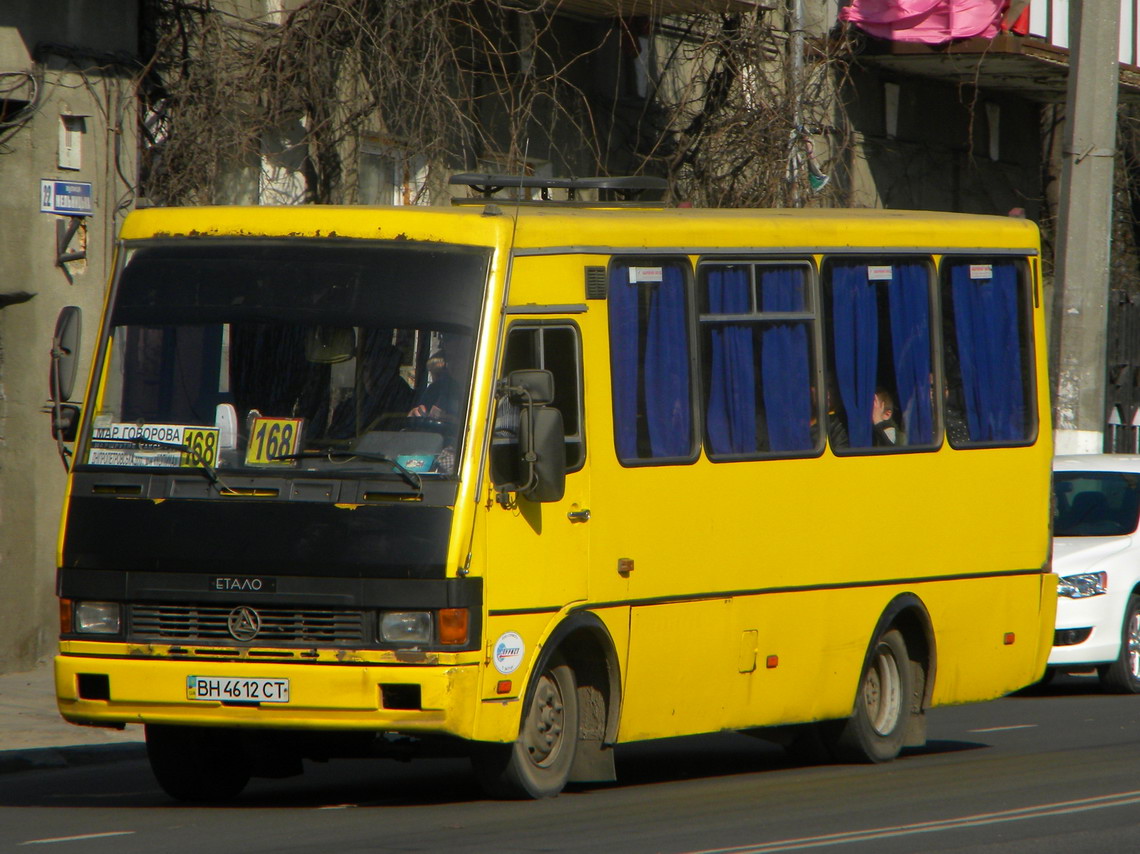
416	700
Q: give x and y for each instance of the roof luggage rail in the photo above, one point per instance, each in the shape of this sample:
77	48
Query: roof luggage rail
611	190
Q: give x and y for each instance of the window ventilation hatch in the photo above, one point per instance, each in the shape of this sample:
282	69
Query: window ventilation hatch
595	283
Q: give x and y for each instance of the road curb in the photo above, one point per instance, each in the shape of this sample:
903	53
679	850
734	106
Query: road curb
13	761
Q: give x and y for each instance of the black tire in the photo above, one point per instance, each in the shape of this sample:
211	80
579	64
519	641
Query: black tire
877	728
1123	675
197	763
537	764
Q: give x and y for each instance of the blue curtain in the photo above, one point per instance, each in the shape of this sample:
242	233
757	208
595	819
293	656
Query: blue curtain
668	401
908	294
785	362
661	372
988	336
622	300
731	410
855	322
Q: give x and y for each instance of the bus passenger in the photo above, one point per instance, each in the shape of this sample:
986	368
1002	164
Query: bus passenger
885	431
440	398
379	390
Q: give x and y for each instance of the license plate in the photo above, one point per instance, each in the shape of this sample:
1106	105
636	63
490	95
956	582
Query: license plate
232	689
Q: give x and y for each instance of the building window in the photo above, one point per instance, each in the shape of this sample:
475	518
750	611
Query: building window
391	176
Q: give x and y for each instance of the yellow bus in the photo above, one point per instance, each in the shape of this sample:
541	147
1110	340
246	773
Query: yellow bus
529	481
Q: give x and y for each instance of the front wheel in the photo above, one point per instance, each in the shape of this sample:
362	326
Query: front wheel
197	763
877	728
1123	675
537	764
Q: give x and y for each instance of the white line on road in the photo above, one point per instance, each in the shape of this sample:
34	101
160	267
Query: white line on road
78	838
1119	799
1003	728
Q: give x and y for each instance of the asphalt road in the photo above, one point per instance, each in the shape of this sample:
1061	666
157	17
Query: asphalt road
1054	769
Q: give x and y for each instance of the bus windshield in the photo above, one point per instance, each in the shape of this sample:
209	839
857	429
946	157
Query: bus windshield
289	355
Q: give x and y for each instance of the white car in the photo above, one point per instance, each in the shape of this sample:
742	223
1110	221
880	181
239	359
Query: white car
1096	553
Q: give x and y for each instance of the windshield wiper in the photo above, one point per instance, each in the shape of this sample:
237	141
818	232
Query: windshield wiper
143	442
331	455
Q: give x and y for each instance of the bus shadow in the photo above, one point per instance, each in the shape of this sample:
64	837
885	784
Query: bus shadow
346	783
937	747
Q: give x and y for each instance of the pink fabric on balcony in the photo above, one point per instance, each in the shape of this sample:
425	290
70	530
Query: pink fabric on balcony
927	21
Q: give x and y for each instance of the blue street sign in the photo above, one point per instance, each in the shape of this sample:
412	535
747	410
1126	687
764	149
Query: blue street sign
71	198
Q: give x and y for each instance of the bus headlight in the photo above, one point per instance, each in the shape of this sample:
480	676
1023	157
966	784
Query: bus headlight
97	618
1084	585
406	627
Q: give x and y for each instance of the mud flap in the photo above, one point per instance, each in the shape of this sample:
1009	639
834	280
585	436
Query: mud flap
593	763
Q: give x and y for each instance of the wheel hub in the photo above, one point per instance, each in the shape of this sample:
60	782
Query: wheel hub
544	734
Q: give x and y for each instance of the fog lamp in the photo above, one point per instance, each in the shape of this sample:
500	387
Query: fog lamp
97	618
405	627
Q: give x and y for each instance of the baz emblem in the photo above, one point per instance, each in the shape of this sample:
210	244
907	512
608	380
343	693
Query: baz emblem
243	623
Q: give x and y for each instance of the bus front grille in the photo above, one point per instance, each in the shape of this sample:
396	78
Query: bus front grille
203	623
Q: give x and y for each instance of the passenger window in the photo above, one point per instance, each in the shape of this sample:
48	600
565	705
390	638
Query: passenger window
555	348
650	361
988	351
757	359
880	381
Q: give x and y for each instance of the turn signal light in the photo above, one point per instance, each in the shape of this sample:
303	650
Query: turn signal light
65	624
453	625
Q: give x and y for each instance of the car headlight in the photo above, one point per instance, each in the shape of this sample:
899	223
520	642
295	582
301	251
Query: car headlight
97	618
406	627
1084	585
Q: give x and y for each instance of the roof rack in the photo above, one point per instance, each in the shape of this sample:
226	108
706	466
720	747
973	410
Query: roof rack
615	190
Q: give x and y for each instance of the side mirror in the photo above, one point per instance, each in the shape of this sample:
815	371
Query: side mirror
543	442
65	353
533	387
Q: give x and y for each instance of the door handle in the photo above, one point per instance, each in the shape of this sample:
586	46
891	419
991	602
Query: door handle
578	515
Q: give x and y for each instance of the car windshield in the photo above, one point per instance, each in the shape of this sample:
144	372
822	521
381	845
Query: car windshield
1095	504
330	355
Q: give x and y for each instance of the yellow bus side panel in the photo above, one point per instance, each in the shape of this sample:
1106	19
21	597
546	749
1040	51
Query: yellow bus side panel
789	562
796	657
974	659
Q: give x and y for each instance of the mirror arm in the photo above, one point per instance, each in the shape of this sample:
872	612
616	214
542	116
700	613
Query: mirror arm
56	409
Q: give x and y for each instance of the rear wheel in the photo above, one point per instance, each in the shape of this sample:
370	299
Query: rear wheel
537	764
197	763
876	730
1123	675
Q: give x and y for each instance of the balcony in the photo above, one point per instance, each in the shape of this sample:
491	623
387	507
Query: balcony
1029	58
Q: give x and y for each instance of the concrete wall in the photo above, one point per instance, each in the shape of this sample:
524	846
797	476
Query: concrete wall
78	55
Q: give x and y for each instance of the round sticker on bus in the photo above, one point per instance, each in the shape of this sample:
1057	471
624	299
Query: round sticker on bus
507	653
